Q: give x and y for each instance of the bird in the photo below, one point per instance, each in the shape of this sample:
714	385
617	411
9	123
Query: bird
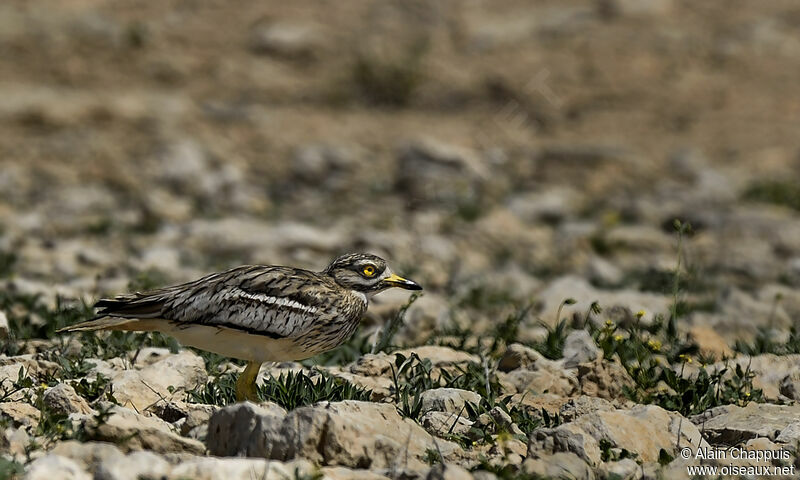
256	313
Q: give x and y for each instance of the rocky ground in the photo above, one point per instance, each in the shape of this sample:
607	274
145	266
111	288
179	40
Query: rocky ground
525	161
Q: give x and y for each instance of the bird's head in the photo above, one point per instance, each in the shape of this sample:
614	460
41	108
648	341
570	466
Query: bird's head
367	274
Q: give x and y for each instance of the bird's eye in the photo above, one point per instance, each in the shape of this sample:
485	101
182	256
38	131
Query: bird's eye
368	271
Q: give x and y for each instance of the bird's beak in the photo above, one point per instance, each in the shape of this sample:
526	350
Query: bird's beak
395	280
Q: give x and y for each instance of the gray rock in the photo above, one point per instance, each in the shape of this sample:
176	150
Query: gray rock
625	469
790	434
243	428
448	400
441	424
53	466
579	347
62	399
350	433
731	424
558	465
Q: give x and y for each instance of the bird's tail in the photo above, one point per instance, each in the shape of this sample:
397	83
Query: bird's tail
105	323
126	312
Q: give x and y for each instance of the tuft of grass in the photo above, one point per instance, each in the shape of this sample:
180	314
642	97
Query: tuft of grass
290	391
552	346
776	192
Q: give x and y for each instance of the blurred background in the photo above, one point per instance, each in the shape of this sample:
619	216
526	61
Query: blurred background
499	153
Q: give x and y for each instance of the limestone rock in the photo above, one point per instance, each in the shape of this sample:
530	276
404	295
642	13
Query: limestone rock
209	468
21	414
62	399
134	466
603	379
133	431
730	424
583	405
140	389
624	469
441	424
350	433
643	430
243	429
89	455
579	347
53	466
448	400
790	434
448	472
558	465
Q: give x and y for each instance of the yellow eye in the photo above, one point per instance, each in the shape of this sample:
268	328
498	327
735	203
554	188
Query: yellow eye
369	271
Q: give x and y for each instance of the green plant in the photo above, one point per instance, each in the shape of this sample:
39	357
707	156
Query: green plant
552	346
291	390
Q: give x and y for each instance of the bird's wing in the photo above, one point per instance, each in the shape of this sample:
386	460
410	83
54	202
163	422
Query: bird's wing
273	301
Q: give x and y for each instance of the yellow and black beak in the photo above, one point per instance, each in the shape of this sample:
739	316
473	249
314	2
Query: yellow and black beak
395	280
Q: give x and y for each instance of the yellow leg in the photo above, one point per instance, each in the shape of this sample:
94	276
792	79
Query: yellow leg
246	383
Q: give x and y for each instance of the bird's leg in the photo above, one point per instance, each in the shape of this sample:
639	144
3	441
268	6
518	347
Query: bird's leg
246	383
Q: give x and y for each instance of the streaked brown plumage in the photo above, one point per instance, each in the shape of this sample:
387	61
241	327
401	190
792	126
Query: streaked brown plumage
257	313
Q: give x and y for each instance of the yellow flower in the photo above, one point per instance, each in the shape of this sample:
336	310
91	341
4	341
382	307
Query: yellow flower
609	323
618	338
747	394
654	344
640	313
